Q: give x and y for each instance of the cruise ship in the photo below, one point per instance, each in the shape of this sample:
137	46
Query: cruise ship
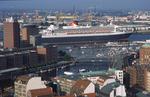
81	34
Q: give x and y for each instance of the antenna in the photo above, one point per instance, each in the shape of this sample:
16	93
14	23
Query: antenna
74	10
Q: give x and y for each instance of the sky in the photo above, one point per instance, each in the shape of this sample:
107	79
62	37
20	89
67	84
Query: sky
78	4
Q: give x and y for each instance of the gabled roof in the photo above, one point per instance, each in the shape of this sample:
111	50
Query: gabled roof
41	92
80	86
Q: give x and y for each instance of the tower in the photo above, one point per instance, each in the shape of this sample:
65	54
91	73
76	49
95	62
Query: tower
11	33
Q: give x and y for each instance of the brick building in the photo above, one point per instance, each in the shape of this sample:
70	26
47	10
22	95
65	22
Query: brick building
11	33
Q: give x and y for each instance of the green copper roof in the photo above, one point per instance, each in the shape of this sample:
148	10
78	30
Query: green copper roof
93	73
146	45
102	72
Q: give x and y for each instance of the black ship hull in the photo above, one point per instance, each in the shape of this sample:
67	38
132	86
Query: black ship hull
86	39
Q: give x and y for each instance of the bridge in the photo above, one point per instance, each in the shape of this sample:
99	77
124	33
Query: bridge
8	76
51	68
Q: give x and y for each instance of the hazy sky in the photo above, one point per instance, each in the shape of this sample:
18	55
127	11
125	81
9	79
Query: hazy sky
79	4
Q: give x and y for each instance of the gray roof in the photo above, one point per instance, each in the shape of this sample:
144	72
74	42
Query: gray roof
110	87
143	94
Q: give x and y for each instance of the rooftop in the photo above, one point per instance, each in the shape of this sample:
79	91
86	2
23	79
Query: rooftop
143	94
71	77
108	88
44	92
146	45
79	87
81	84
98	73
66	96
24	78
104	77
